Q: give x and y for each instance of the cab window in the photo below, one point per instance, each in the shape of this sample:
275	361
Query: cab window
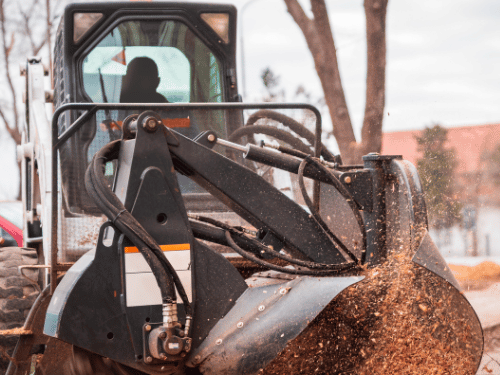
152	62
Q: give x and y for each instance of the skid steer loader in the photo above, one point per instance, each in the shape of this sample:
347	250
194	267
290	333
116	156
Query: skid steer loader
171	229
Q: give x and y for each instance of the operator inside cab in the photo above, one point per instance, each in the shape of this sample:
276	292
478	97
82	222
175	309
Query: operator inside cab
140	82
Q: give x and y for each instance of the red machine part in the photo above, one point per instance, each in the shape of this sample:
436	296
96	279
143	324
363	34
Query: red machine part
13	230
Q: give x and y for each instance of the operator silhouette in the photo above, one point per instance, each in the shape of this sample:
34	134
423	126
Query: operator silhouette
140	82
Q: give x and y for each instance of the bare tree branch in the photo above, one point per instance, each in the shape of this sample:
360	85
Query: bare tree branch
300	17
7	48
26	17
48	38
14	133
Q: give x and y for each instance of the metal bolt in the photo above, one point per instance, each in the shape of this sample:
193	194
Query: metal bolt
211	137
147	328
149	359
262	308
218	342
239	325
284	291
347	180
150	124
163	356
162	335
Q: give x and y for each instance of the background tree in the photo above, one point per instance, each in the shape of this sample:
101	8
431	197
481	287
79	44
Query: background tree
491	161
275	91
271	83
320	41
436	168
26	28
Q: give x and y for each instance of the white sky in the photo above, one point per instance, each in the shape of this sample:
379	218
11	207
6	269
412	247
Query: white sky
443	62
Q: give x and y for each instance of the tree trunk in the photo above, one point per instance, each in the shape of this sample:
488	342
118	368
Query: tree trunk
371	134
320	41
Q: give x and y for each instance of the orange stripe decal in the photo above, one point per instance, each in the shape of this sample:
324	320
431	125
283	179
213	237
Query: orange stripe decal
176	122
168	122
173	247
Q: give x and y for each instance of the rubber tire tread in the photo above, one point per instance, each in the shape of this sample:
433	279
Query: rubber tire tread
84	362
17	295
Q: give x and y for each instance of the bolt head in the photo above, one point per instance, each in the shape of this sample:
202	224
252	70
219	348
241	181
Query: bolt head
218	342
211	137
262	308
147	328
149	359
239	325
347	179
162	335
150	124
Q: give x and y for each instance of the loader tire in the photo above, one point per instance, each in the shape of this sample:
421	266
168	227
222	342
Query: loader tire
84	362
17	295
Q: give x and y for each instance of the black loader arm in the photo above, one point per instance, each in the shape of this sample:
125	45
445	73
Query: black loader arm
253	198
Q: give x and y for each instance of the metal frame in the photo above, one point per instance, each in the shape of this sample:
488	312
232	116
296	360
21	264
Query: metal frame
115	11
91	108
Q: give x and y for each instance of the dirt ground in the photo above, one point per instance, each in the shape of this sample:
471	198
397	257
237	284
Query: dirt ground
481	286
490	363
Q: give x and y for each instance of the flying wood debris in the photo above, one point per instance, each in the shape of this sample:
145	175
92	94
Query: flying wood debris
402	319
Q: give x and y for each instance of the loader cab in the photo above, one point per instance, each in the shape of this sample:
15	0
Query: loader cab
140	52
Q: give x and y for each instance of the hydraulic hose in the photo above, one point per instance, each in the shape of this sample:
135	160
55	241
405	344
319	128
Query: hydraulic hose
302	150
292	124
113	208
336	268
272	131
237	240
347	196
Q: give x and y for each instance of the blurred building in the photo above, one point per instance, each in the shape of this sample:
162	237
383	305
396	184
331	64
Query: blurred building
476	186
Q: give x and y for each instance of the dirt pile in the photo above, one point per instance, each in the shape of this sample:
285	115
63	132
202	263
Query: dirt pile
402	319
476	277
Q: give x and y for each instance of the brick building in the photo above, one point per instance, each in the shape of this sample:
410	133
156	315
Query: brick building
477	185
